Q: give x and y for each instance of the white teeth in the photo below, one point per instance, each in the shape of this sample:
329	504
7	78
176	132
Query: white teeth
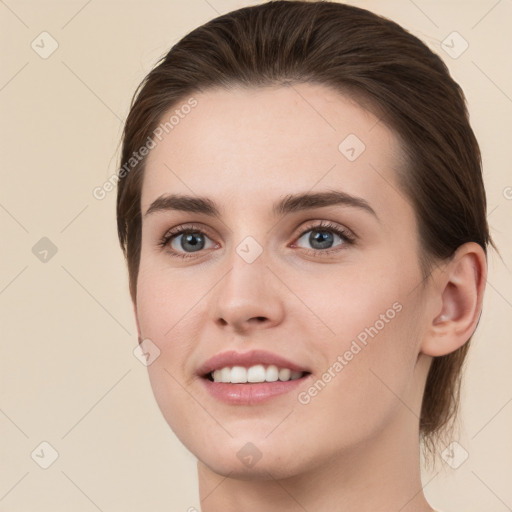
272	373
225	375
284	374
254	374
238	375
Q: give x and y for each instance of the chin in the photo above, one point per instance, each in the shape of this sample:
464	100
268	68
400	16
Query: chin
264	469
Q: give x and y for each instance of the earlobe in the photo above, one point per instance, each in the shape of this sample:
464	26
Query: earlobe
462	285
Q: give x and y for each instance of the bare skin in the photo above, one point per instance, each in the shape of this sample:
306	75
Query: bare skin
352	446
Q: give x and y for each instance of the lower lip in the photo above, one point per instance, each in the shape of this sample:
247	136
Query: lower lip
248	394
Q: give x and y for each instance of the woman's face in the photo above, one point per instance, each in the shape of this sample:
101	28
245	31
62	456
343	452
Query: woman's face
343	304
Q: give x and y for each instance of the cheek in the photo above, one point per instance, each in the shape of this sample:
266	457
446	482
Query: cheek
164	300
372	346
167	315
354	303
363	388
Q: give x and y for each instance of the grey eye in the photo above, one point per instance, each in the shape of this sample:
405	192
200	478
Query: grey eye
320	238
189	242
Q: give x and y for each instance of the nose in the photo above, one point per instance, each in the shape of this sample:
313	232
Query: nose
248	297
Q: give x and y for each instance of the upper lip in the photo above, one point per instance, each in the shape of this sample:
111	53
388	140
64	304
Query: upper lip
246	359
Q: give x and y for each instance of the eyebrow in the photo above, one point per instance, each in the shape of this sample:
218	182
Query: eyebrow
289	204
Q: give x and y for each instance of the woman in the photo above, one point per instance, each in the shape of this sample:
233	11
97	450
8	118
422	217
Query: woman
302	211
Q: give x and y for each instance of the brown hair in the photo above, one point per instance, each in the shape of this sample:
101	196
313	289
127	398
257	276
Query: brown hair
355	52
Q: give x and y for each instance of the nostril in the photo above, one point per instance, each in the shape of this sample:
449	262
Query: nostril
259	319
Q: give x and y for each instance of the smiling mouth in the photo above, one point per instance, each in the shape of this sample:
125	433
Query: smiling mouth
255	374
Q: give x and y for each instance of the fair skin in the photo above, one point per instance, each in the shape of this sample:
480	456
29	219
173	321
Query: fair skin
354	446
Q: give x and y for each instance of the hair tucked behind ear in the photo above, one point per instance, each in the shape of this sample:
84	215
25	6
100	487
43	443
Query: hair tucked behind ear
377	62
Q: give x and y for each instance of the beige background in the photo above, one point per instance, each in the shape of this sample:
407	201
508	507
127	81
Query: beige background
67	372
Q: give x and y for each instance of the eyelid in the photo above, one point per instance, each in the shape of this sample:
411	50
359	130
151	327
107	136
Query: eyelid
188	226
328	225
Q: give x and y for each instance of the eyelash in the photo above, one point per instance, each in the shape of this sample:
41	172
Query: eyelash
344	234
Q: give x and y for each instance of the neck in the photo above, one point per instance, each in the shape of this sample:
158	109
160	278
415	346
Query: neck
380	475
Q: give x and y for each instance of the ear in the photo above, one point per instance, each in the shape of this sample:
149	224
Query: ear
460	287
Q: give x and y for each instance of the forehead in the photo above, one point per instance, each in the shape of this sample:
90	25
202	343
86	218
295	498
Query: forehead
247	144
